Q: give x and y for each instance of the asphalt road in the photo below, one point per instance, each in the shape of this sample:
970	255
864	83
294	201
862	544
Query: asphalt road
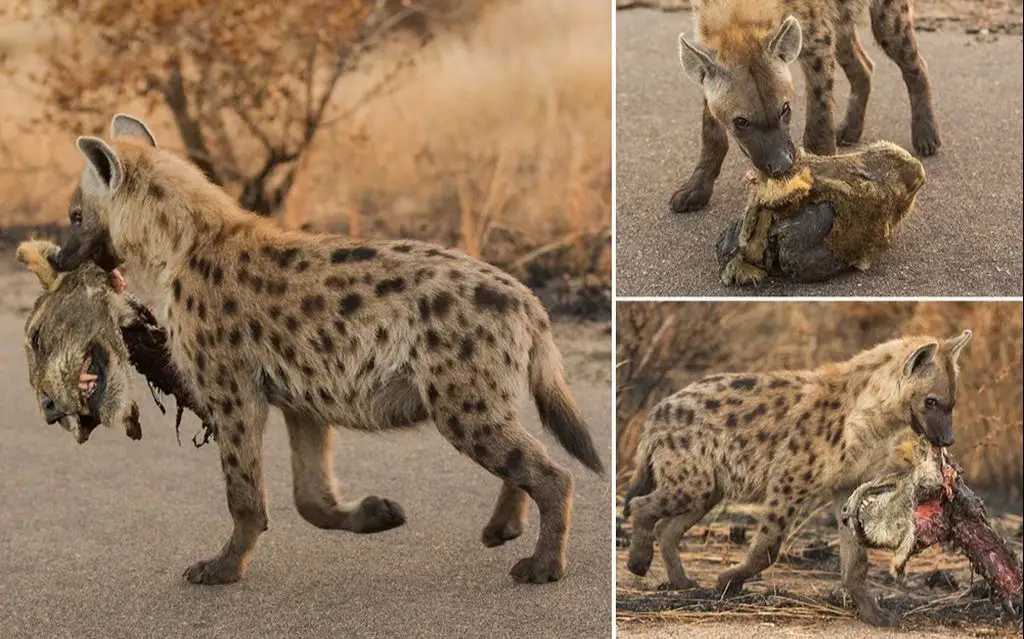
964	239
94	538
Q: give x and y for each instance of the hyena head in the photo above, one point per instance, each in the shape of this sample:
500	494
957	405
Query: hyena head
748	88
928	388
99	195
78	364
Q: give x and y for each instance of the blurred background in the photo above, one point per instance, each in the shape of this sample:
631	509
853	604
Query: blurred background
482	124
664	346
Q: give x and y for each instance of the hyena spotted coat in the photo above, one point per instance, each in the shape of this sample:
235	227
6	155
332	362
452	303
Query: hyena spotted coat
365	335
741	61
782	438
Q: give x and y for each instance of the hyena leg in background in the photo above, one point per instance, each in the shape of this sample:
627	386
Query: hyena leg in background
893	28
817	58
858	69
316	497
695	193
764	548
853	562
509	516
240	439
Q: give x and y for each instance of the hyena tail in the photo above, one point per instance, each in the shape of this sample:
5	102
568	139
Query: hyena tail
558	412
643	481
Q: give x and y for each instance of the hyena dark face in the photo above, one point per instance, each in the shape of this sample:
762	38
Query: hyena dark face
749	90
928	389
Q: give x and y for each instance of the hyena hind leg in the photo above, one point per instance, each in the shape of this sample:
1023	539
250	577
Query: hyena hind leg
671	531
893	28
509	516
764	548
314	489
817	57
493	438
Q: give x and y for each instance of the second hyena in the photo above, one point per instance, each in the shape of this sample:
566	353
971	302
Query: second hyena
782	438
742	63
366	335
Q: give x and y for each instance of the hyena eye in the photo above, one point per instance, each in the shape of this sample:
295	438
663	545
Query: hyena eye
76	217
931	402
784	114
740	123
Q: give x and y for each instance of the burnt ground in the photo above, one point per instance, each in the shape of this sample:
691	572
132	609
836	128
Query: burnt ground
802	590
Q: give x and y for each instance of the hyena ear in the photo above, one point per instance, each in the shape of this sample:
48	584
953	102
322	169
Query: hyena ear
35	255
920	358
956	344
104	165
124	124
696	62
787	41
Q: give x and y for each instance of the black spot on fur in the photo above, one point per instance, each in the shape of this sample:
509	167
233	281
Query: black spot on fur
479	451
313	304
401	248
255	330
350	304
335	282
466	348
286	257
442	304
393	285
743	383
231	460
489	299
382	334
235	337
176	287
227	406
156	191
730	421
201	361
291	323
230	306
432	393
456	427
513	462
712	405
358	254
757	412
433	339
779	383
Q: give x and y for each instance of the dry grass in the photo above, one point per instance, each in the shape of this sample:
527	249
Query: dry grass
497	140
654	361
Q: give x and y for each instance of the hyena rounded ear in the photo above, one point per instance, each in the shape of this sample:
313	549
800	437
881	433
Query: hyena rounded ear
35	255
124	124
103	165
697	64
787	41
920	358
956	344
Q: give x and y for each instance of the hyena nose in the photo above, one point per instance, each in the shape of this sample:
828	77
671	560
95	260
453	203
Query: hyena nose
779	165
50	412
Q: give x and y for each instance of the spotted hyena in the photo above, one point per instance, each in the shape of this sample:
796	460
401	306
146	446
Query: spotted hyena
741	61
365	335
783	438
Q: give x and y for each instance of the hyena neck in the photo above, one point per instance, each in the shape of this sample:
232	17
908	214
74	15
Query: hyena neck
156	233
867	387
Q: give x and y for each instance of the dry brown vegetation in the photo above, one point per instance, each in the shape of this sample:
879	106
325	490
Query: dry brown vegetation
495	136
663	346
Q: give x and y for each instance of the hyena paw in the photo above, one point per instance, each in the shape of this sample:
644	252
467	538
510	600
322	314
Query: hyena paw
499	533
849	133
729	584
639	562
538	569
678	584
875	615
925	137
377	515
691	196
219	570
739	272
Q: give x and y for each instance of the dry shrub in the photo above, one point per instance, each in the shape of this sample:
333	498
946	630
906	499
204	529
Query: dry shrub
498	142
664	346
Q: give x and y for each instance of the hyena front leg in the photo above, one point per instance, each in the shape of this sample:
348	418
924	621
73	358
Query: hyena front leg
314	489
858	69
695	193
240	425
853	562
818	60
893	27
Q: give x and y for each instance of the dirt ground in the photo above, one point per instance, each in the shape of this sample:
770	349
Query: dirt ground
800	596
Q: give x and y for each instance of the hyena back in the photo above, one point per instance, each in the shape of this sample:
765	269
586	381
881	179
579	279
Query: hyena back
783	438
742	63
365	335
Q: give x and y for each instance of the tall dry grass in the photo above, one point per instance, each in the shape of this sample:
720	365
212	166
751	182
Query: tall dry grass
497	139
664	346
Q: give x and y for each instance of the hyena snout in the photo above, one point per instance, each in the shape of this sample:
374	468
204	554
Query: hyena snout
772	152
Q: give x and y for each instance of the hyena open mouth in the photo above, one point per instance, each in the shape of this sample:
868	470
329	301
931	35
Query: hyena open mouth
92	388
